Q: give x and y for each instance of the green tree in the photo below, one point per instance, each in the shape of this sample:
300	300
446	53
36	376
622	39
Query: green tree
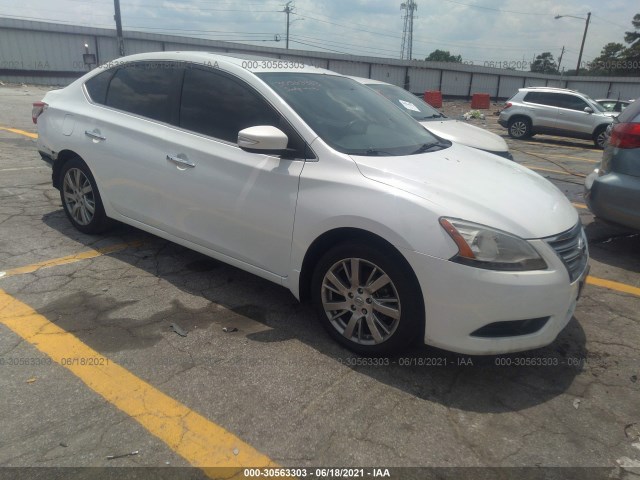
443	56
544	63
609	60
632	54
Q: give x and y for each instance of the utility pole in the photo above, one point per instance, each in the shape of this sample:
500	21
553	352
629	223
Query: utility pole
407	33
118	19
584	37
560	59
288	9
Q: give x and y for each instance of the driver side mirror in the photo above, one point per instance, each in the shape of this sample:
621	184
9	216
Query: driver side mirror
263	139
588	109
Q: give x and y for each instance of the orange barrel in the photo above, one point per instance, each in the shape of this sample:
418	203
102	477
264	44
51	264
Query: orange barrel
480	100
433	98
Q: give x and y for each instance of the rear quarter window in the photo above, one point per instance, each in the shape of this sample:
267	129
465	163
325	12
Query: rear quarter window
97	86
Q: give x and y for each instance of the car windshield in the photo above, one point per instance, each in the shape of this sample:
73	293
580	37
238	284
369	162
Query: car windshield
406	101
595	105
350	117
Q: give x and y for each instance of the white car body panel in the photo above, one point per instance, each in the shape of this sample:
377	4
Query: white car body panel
465	134
261	213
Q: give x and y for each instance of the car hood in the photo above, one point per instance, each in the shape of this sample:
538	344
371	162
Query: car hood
466	134
476	186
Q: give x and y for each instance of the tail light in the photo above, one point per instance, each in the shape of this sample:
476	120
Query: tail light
625	135
507	105
36	111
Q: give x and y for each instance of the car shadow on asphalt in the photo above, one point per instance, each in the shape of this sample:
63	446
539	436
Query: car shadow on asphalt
614	245
266	313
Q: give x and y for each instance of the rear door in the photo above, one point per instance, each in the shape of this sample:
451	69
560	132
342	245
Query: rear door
127	136
541	108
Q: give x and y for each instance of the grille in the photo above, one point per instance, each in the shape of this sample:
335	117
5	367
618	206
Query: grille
571	247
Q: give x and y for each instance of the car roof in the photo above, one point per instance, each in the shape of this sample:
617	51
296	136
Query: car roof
252	63
549	89
611	100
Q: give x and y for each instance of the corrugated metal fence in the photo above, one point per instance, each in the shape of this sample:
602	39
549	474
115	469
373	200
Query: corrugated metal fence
52	54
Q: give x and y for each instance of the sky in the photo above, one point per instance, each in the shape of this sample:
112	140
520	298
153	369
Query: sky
483	32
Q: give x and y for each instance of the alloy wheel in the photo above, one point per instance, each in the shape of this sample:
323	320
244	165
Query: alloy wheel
78	196
361	301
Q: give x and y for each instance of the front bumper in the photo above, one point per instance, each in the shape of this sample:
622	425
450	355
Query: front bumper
461	300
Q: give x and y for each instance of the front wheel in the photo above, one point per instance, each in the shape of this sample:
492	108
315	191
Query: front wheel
600	138
368	299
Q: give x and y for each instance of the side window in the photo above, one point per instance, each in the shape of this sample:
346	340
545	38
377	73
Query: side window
541	98
145	88
218	106
572	102
97	86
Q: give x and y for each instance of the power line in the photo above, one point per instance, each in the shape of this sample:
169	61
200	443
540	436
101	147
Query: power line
499	10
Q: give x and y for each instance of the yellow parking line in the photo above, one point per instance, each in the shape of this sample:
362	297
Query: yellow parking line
562	172
70	258
200	441
553	155
580	205
20	132
611	285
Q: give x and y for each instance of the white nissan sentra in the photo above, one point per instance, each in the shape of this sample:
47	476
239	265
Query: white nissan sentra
316	182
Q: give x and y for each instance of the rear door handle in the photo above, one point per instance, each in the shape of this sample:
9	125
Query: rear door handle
95	135
181	162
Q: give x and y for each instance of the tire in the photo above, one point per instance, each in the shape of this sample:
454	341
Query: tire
600	138
519	127
368	322
80	197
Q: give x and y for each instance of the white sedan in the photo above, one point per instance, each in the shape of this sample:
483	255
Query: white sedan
311	180
436	122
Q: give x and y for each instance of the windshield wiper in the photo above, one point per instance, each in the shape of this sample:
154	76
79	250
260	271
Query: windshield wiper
428	146
373	152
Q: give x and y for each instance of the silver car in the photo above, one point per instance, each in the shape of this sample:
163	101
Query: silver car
555	111
612	191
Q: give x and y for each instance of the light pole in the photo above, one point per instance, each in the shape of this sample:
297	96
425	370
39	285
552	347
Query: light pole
288	9
584	36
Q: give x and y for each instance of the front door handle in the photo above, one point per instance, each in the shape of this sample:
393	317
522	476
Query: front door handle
181	162
95	135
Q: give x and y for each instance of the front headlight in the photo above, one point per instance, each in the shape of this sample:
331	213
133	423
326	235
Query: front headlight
484	247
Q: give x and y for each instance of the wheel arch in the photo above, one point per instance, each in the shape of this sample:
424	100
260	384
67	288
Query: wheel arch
599	128
334	237
62	157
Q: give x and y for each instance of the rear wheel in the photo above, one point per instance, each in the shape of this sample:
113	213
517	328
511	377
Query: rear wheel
600	137
368	299
80	197
520	127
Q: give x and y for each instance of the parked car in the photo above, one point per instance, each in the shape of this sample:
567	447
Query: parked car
555	111
613	105
612	191
436	122
311	180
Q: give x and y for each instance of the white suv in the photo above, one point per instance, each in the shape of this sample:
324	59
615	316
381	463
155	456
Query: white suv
313	181
555	111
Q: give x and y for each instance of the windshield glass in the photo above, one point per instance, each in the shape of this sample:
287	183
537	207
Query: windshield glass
350	117
406	101
595	105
